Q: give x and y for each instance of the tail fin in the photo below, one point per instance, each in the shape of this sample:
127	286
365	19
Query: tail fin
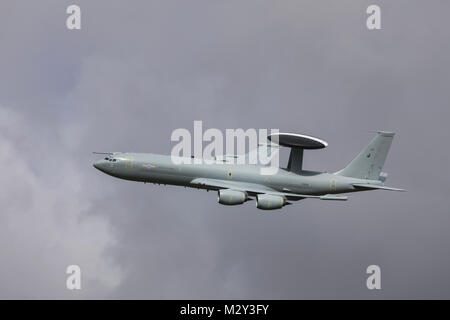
368	164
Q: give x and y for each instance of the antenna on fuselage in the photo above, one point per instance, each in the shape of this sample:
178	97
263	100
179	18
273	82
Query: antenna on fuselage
95	152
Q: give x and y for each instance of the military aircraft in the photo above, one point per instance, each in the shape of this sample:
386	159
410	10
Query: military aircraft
238	183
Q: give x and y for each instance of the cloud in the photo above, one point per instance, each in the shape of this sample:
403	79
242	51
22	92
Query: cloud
45	224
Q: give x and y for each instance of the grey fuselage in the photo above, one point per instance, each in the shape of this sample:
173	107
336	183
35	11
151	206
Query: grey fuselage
154	168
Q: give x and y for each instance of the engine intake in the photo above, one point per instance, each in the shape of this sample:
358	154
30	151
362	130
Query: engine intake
269	201
231	197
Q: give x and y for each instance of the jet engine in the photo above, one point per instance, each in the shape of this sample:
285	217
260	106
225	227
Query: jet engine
231	197
269	201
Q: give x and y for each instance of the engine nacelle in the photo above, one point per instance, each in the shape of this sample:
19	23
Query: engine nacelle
231	197
269	201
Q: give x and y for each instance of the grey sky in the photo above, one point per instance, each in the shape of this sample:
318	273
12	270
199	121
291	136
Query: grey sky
138	70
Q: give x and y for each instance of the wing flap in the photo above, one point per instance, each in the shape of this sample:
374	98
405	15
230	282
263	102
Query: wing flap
333	197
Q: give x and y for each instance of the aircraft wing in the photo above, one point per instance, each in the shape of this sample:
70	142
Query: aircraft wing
369	186
254	189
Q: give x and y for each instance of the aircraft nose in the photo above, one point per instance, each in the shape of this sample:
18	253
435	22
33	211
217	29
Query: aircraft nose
99	164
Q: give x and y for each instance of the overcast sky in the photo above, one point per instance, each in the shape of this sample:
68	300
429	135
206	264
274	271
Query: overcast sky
137	70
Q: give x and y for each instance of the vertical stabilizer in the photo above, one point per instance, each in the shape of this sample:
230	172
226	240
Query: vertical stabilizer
369	163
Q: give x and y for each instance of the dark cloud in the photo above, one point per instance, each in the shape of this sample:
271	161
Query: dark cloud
137	71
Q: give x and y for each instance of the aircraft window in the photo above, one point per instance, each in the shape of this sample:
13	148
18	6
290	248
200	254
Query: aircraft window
106	158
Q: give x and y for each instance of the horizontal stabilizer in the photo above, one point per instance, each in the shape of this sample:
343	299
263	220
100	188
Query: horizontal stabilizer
374	186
